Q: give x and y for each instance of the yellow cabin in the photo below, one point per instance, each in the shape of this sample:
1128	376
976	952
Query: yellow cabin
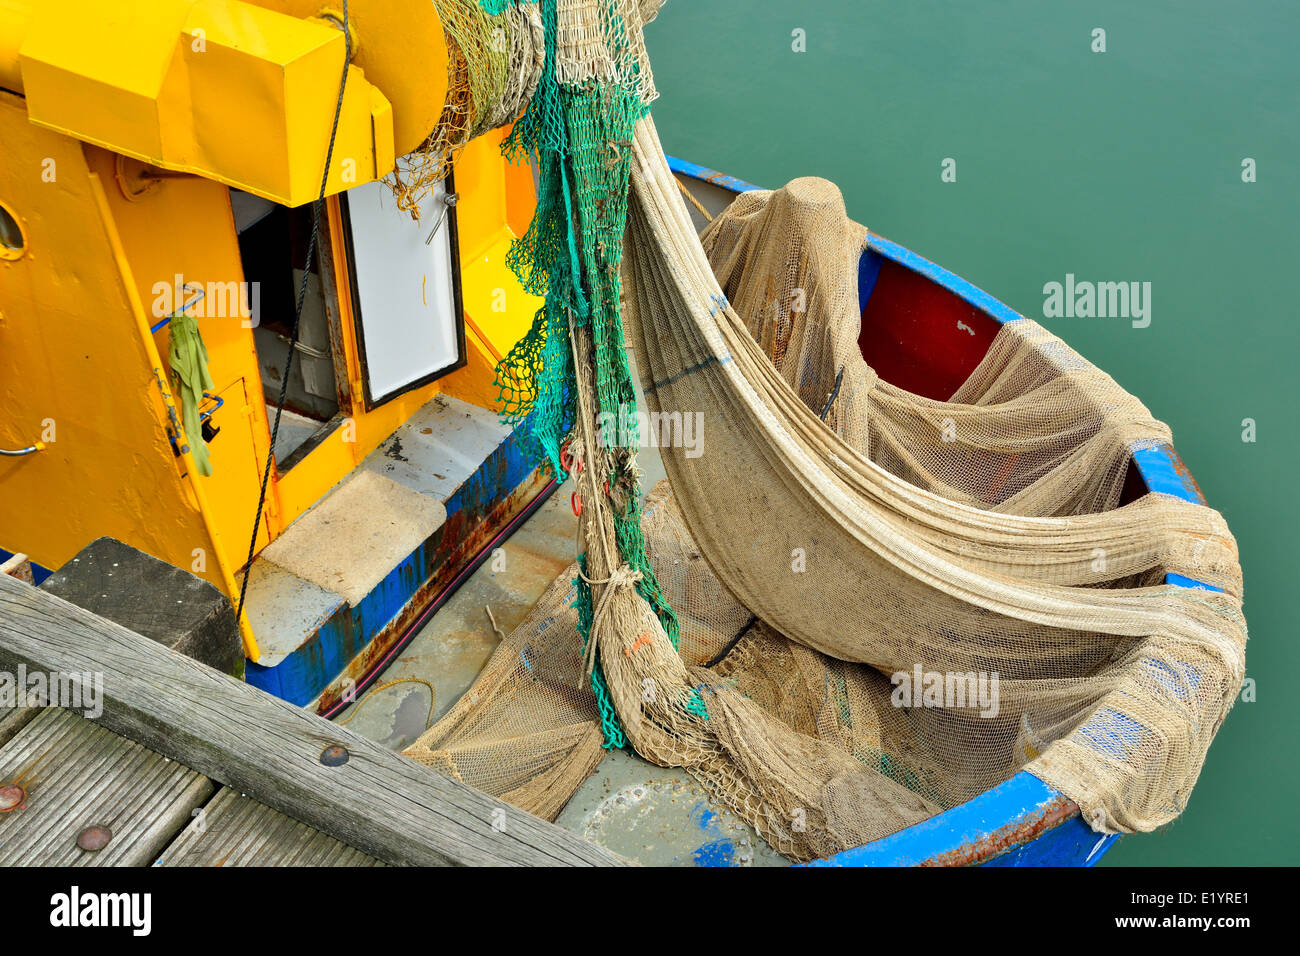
162	160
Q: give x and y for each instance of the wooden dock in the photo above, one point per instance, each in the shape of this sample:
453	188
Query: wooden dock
77	775
187	766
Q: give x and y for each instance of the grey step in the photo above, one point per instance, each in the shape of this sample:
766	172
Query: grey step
345	545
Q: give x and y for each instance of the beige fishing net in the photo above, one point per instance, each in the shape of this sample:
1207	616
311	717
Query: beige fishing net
1019	436
888	604
494	62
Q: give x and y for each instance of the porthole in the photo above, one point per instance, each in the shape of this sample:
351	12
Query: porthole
13	241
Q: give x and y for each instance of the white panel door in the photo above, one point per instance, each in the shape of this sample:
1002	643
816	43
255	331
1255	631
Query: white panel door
404	290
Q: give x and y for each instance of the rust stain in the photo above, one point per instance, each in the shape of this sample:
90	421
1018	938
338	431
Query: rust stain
1185	475
719	179
1024	830
12	797
462	537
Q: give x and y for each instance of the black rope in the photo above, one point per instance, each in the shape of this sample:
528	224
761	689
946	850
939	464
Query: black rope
731	644
297	313
826	409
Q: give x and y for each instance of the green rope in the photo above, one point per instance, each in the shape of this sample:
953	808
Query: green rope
609	724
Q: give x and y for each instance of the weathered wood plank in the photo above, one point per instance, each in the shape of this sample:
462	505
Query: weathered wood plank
378	801
236	831
12	720
78	774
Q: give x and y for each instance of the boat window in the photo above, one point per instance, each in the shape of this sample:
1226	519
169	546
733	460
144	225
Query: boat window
12	241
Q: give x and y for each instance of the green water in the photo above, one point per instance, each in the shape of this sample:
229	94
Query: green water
1123	165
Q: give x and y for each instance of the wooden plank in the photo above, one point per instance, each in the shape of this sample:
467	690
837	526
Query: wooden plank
233	830
78	774
12	720
378	801
18	566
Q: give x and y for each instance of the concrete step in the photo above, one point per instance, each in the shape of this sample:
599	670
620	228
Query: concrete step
362	562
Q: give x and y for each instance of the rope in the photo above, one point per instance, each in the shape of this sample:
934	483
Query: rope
621	577
433	697
492	617
297	315
692	200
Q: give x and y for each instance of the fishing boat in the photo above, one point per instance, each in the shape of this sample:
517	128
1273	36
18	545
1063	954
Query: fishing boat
926	330
340	471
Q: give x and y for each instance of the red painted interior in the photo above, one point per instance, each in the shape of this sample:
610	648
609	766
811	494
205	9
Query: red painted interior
911	338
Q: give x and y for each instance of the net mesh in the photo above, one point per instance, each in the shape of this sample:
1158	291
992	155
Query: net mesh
884	604
1019	436
577	132
494	61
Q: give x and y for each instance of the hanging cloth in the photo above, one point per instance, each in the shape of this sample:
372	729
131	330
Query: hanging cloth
188	358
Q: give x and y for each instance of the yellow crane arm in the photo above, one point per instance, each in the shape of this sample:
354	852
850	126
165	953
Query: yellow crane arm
239	92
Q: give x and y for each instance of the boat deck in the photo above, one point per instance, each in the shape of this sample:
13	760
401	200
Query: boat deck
637	810
84	784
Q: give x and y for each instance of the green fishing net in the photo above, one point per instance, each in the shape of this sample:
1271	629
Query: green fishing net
577	135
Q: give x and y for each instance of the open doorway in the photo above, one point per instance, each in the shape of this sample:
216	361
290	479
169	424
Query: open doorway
273	243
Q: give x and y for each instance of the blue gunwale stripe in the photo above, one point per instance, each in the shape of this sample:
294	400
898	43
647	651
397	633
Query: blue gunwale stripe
1020	797
703	173
990	306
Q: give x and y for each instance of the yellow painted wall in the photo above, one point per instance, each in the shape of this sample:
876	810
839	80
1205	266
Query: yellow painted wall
184	226
191	84
70	352
496	205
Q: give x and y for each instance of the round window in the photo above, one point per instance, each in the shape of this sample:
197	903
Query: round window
12	240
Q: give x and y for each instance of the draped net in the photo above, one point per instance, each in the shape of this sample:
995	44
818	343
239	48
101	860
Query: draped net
752	624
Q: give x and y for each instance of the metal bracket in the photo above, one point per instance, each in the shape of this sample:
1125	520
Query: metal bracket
448	200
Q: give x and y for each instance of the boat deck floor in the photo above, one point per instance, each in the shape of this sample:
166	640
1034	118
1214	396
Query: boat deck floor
636	809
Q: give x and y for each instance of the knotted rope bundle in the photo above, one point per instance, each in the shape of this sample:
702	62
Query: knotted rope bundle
494	61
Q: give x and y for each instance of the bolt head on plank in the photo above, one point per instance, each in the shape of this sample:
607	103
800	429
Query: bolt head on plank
335	755
93	839
12	796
